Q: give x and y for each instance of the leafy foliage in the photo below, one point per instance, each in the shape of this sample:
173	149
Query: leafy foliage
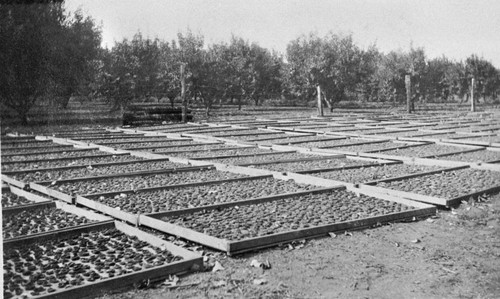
50	54
44	53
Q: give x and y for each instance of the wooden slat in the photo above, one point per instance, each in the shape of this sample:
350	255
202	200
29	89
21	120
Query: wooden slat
155	241
65	158
171	146
284	135
206	150
85	166
303	150
404	194
319	170
26	141
28	195
150	139
395	147
304	141
11	181
242	202
397	199
275	239
114	212
355	144
130	174
263	133
319	158
70	208
51	192
414	175
55	235
452	153
72	149
185	185
457	200
27	207
184	233
241	156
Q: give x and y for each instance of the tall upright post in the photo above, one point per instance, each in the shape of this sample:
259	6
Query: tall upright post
408	93
183	93
320	104
472	102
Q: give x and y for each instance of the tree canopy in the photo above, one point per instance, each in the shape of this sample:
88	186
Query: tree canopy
44	52
49	53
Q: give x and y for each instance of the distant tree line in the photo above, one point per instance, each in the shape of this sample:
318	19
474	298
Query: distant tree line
46	52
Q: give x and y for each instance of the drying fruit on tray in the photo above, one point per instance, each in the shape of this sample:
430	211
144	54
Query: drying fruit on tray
54	265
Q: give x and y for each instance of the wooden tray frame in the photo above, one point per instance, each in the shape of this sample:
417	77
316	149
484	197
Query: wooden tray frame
191	261
236	247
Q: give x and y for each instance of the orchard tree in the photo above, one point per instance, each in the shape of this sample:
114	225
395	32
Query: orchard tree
77	51
118	78
169	79
211	83
191	53
263	74
486	76
333	62
392	70
44	53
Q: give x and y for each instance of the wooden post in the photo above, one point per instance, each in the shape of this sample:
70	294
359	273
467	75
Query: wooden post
472	102
408	93
320	104
183	93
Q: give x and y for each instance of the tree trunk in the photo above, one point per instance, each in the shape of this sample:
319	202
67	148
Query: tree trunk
24	117
239	103
64	102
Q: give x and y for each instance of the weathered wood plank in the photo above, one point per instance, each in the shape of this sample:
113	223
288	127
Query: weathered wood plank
114	212
319	158
407	195
243	155
28	195
64	158
84	166
275	239
55	235
242	202
156	241
414	175
130	174
72	149
185	185
319	170
51	192
11	181
70	208
27	207
171	146
183	232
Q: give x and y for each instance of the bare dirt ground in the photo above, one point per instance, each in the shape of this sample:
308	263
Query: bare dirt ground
453	255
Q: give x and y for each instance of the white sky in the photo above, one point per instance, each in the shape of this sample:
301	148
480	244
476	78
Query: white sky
455	28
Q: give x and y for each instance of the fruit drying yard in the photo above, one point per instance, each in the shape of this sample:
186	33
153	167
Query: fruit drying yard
92	210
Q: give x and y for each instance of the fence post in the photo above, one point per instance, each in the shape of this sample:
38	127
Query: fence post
472	102
408	93
320	104
183	93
